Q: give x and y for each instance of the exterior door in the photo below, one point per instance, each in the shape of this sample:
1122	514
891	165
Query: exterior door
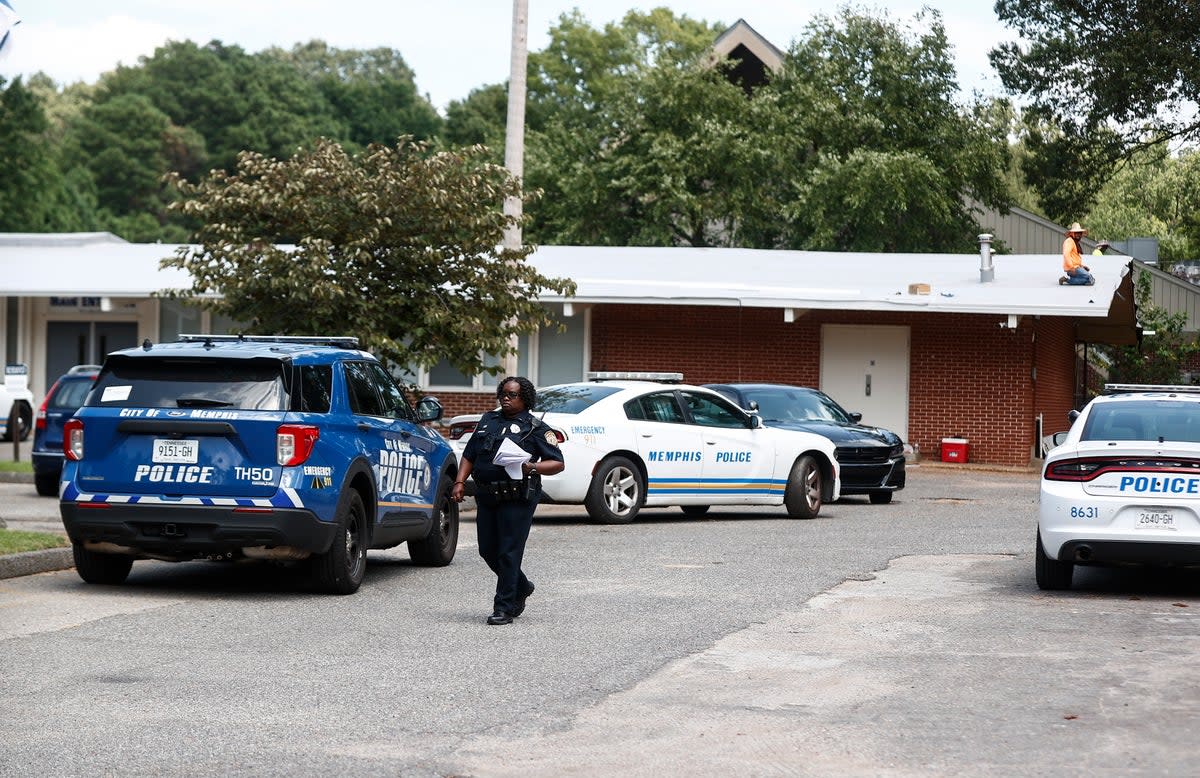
670	447
738	467
70	343
865	369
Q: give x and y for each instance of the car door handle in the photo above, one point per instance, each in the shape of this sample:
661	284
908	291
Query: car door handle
362	425
711	442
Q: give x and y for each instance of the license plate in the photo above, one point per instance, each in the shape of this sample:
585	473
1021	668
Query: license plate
1161	519
185	452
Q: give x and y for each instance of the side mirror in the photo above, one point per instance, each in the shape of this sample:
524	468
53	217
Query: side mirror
1072	415
1059	438
754	405
429	409
855	416
756	422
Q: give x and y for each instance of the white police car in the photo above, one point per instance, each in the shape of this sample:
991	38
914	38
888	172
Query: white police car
254	448
1124	485
656	442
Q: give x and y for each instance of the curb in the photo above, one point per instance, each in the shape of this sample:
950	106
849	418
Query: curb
31	562
9	477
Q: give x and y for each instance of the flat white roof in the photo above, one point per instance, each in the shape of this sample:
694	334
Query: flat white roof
91	265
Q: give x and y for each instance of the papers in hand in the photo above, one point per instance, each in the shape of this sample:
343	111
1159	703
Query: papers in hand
510	456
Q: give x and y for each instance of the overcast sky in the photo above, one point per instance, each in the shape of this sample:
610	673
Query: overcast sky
453	46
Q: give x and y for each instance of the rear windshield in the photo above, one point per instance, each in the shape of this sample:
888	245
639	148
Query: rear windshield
1144	420
572	398
70	394
244	384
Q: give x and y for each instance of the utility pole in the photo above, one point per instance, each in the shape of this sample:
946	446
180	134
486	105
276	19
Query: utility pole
514	138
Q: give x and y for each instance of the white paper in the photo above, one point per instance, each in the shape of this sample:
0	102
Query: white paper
510	456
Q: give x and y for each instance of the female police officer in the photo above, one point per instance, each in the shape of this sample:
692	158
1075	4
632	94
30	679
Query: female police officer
504	506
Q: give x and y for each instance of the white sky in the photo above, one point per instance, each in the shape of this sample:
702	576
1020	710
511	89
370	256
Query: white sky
453	46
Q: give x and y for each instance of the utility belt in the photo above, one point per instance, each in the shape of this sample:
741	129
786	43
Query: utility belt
528	488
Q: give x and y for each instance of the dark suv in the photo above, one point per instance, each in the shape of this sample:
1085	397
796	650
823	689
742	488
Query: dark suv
63	399
231	448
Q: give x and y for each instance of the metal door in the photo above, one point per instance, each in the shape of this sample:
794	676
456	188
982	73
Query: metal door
865	369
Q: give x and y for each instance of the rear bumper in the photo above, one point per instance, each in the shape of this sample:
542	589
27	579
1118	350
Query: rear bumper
1101	552
189	531
47	462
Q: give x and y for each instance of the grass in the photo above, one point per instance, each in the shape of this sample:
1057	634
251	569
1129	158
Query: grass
14	541
8	466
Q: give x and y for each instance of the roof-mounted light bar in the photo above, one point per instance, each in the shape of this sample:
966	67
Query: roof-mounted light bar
618	375
1182	389
340	341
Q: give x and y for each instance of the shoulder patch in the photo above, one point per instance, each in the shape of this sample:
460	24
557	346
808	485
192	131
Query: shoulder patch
551	438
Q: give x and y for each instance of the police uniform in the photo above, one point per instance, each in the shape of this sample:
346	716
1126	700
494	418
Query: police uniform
504	506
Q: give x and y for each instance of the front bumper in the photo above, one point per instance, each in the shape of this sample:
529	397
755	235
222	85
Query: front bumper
864	478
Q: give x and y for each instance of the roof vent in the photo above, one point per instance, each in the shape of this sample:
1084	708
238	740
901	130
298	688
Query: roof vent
986	271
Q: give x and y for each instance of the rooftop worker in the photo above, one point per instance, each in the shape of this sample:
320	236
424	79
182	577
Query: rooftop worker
1101	247
1076	272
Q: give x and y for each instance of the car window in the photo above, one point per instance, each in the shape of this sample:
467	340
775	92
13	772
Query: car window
571	398
1166	420
395	404
316	388
786	404
360	386
70	394
659	406
710	411
180	382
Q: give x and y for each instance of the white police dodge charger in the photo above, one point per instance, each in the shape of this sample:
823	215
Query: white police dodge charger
1124	486
634	443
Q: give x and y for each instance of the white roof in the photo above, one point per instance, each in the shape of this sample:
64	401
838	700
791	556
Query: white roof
95	265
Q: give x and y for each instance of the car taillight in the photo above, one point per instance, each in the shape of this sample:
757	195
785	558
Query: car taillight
73	439
41	414
1087	469
460	429
294	443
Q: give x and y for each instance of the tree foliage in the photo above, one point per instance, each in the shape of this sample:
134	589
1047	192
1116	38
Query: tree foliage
1104	80
1162	351
394	245
641	139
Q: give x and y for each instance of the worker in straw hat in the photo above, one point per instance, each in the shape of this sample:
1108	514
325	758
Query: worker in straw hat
1077	273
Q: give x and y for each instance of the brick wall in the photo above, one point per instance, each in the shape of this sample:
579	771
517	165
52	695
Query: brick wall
968	377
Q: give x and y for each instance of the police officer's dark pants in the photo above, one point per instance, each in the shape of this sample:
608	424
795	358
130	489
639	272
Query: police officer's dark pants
503	528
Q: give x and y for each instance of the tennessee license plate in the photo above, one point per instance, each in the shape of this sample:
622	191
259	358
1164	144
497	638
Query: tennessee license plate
185	452
1160	519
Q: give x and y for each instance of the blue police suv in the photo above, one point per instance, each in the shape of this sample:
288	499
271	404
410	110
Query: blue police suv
293	449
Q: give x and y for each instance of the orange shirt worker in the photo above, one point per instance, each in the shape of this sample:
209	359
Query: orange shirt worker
1077	273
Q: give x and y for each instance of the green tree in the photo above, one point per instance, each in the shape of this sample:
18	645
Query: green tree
372	93
1157	194
35	195
1162	352
1104	80
394	245
479	119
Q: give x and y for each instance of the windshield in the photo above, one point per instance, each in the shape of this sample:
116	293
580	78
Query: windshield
1157	420
244	384
784	404
571	398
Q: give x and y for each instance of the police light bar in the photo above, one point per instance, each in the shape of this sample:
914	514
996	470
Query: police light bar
341	341
1113	388
617	375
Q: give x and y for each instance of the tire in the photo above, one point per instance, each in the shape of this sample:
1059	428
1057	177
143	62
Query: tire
617	492
1050	573
46	484
880	498
694	511
803	493
96	568
20	421
340	569
437	548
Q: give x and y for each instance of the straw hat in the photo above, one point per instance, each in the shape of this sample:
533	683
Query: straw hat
1076	227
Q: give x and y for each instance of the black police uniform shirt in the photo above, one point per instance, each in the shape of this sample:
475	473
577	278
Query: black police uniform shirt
530	434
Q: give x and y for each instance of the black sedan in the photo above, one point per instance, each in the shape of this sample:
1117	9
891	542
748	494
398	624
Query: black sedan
871	458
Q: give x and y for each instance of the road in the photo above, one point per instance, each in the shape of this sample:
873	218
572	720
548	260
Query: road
897	639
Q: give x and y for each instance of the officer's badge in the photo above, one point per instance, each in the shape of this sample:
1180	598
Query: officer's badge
551	438
515	428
